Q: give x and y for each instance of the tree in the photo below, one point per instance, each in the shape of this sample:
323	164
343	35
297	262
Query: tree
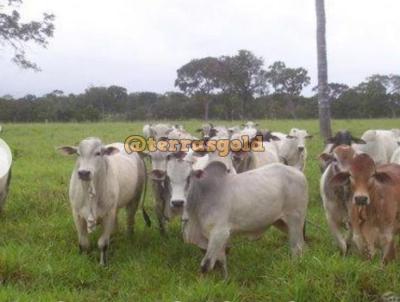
323	96
391	85
17	34
335	90
288	82
200	78
243	76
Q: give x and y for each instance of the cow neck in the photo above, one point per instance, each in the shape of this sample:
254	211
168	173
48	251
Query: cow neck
95	189
341	192
369	212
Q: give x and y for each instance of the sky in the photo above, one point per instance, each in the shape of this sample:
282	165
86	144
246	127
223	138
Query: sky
139	44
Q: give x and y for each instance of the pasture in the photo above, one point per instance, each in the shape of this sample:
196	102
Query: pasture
39	259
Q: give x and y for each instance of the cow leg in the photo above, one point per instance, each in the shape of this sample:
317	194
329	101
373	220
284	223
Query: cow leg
131	209
216	250
358	240
296	240
104	240
334	225
222	260
389	249
160	216
81	228
370	238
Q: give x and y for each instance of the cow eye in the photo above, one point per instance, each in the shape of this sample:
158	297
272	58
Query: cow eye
98	153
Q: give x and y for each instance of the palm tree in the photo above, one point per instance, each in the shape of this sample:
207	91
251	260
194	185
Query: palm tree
323	96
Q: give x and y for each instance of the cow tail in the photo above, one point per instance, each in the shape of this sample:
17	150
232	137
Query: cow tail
143	197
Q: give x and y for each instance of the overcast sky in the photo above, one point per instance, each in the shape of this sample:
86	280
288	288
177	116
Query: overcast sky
139	44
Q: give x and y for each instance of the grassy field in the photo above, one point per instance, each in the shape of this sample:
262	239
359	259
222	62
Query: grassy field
39	259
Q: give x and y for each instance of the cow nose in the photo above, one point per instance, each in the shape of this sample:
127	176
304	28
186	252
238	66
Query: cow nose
84	174
177	203
361	200
300	148
158	174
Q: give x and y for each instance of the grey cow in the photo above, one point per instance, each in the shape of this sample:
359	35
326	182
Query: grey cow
103	181
220	205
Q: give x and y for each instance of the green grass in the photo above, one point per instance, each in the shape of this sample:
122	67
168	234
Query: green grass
39	259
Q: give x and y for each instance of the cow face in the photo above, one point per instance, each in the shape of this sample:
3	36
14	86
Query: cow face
298	138
207	131
158	163
250	125
340	158
363	178
178	172
91	157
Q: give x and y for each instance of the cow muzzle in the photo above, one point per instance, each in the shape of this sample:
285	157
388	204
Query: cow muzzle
361	200
300	148
84	175
177	203
157	175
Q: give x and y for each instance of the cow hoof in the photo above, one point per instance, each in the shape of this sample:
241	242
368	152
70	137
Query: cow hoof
83	249
205	267
103	256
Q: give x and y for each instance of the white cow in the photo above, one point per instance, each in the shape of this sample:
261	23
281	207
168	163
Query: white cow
249	160
250	129
220	205
160	184
292	148
380	145
209	130
5	171
157	131
103	181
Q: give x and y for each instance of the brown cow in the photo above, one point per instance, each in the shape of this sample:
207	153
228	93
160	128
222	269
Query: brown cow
374	206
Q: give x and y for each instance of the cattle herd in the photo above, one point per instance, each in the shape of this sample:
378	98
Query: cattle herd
244	192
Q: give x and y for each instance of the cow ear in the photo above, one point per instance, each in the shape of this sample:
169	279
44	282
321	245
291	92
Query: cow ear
340	179
358	140
384	178
143	154
67	150
331	140
110	150
199	174
275	138
326	157
289	136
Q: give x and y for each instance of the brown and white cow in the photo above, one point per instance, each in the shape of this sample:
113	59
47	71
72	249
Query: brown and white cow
342	137
374	206
334	198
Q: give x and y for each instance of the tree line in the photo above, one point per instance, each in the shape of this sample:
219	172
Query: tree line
227	88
